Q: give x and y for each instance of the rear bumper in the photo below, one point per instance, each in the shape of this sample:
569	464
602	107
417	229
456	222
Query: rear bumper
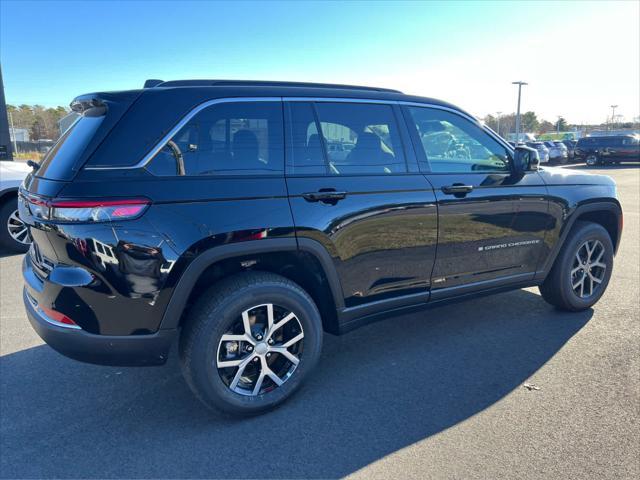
126	350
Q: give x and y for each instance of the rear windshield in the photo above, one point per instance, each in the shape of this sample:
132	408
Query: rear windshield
79	142
59	162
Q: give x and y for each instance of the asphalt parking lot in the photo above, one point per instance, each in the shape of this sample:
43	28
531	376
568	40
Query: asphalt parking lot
435	394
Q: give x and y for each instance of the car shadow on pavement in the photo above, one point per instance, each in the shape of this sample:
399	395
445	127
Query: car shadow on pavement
377	390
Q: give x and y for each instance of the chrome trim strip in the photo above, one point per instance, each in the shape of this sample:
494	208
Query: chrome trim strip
147	158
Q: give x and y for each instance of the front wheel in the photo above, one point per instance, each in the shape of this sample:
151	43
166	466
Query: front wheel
249	342
582	270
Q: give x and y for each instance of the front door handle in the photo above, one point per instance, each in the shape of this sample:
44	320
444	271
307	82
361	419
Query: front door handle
325	195
457	189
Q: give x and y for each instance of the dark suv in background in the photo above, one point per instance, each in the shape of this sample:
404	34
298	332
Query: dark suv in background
246	218
608	150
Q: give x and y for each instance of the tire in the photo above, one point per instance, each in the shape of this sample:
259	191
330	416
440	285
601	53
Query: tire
10	224
557	289
592	161
218	312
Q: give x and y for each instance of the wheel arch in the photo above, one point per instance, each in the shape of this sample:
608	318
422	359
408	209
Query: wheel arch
307	263
607	213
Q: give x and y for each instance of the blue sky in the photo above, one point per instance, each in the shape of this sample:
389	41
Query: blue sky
464	52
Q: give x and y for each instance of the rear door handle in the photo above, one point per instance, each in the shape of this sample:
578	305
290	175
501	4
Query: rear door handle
457	189
325	195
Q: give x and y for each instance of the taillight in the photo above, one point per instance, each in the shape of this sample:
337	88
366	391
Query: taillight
97	211
87	210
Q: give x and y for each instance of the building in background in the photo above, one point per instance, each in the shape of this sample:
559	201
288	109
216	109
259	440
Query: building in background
19	134
613	133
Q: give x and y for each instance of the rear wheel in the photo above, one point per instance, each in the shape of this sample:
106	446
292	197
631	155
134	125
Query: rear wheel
13	234
249	342
581	272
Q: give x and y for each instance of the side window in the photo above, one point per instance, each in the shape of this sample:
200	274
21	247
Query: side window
344	138
361	138
306	155
226	139
453	144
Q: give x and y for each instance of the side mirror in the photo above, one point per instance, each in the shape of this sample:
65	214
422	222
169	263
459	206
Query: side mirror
525	159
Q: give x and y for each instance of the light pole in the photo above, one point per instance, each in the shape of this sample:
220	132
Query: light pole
520	83
498	116
558	125
613	115
13	130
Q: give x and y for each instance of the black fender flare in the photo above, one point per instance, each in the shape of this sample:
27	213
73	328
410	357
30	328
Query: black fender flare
199	264
611	206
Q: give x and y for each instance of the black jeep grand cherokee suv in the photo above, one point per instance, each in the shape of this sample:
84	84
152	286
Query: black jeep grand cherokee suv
248	217
607	150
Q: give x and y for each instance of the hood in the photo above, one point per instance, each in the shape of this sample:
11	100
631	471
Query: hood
566	176
13	172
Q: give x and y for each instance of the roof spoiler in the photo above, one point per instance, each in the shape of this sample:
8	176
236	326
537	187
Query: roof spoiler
152	82
89	105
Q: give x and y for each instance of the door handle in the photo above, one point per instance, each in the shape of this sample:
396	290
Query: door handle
457	189
325	195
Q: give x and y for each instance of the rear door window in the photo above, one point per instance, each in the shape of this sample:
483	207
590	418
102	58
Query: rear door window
344	138
306	154
235	138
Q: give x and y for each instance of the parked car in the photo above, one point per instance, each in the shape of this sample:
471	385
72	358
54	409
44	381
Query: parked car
560	144
13	232
608	150
208	234
571	146
557	152
543	151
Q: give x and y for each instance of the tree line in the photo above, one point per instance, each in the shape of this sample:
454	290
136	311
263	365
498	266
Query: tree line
41	122
530	123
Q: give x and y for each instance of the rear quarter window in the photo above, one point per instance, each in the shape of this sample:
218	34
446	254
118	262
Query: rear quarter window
59	162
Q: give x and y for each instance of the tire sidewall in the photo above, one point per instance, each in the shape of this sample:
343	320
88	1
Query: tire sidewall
218	321
6	240
584	233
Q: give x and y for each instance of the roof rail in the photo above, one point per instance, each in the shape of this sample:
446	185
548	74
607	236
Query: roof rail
261	83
